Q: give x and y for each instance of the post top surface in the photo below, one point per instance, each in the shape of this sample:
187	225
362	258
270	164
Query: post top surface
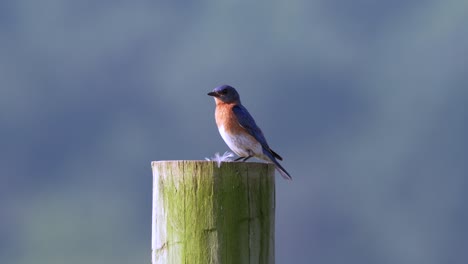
254	164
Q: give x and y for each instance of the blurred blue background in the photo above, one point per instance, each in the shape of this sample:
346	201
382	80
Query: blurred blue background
365	100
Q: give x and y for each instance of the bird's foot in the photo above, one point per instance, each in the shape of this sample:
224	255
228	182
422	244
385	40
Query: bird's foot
243	158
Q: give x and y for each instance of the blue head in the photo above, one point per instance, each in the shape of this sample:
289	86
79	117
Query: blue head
226	94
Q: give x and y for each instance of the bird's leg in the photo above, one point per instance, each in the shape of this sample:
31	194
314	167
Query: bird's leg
246	158
249	156
239	158
243	158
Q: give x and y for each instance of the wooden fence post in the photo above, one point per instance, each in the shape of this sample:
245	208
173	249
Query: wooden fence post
204	214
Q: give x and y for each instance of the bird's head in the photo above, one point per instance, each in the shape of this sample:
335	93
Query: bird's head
226	94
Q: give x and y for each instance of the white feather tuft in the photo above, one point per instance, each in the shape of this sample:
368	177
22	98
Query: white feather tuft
227	156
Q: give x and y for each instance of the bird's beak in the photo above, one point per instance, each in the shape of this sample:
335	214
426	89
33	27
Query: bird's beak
213	94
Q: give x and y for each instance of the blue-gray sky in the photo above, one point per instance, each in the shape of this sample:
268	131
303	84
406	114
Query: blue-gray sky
365	100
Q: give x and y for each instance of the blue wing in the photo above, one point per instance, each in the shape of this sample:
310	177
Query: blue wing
248	123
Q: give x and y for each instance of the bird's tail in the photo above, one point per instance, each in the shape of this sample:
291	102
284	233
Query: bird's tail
278	166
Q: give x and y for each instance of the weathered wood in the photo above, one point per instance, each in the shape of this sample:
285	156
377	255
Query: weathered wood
205	214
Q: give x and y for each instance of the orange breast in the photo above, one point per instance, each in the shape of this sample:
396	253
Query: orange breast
226	118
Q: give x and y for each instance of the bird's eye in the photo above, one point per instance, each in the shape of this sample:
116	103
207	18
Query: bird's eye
224	91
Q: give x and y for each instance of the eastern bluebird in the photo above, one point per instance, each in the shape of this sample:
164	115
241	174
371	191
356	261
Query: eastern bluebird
239	130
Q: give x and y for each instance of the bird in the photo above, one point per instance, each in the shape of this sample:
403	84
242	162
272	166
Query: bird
239	130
